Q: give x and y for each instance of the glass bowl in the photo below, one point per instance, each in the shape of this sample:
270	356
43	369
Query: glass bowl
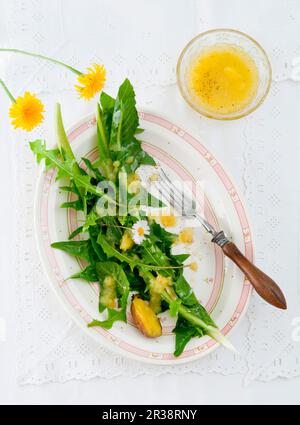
234	38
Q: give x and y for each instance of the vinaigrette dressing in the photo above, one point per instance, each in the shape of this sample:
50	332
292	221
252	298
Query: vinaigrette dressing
223	79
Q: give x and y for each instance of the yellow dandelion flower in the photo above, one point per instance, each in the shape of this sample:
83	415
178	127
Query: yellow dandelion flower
92	82
26	112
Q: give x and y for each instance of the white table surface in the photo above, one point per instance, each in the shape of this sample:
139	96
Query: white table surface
194	389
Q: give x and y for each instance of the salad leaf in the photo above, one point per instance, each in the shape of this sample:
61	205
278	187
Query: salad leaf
199	311
76	205
125	118
185	292
133	262
164	239
65	168
136	282
184	329
133	156
76	233
104	161
198	317
80	249
174	306
93	232
70	189
180	258
114	270
151	254
112	317
184	332
91	220
189	299
93	169
141	199
110	268
113	232
61	136
112	252
107	105
66	152
89	274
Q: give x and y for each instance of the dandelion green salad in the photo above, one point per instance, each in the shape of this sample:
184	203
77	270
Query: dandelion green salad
128	253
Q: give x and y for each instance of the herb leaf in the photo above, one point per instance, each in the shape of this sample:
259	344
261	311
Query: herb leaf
112	317
133	156
80	249
65	168
174	307
184	332
185	292
76	233
151	254
107	105
110	268
89	274
125	118
112	252
114	270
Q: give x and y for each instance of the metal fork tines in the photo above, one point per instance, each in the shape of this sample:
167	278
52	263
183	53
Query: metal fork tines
182	202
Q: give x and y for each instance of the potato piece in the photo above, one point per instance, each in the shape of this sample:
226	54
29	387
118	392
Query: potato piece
126	241
144	318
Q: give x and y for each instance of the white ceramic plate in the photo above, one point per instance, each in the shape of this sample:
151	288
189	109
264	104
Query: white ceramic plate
218	283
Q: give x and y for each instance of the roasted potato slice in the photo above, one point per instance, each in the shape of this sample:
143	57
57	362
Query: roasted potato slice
144	318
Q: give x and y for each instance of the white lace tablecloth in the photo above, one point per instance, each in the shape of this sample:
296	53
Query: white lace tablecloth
142	40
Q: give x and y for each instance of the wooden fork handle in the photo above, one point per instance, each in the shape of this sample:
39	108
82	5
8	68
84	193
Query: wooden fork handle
263	284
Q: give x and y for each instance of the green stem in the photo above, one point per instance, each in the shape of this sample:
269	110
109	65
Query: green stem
102	139
47	58
169	296
105	161
7	91
115	225
146	275
183	311
213	332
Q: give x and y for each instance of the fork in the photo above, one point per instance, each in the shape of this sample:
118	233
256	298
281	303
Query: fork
263	284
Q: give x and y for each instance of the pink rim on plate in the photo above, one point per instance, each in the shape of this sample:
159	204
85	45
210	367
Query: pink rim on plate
48	179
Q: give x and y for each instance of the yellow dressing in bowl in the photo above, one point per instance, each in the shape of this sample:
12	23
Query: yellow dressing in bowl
223	79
